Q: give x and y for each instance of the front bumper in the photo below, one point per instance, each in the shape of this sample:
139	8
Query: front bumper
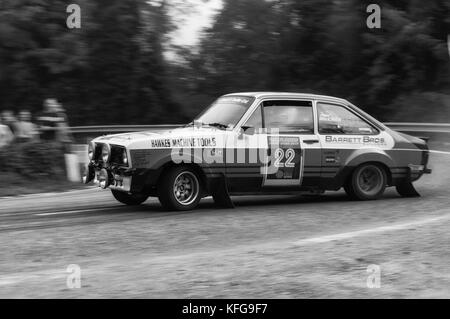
114	178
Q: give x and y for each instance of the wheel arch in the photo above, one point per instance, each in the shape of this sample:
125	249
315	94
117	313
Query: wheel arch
196	167
361	157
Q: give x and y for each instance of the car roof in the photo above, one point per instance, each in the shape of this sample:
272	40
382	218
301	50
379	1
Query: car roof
288	95
309	96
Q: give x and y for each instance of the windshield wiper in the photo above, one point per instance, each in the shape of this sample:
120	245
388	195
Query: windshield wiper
194	123
219	125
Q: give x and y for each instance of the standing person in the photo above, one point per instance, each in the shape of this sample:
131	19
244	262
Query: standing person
49	120
26	130
10	120
63	133
6	136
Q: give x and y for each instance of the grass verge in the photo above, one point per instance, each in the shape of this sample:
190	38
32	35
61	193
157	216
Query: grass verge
14	184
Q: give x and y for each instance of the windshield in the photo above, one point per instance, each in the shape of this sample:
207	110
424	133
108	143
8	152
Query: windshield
226	111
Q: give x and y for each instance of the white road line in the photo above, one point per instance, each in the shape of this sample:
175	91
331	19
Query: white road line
87	189
440	152
15	279
73	211
348	235
417	150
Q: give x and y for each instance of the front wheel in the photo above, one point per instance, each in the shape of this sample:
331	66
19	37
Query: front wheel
132	199
180	188
368	182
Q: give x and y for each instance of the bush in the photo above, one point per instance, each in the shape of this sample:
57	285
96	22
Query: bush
420	107
33	160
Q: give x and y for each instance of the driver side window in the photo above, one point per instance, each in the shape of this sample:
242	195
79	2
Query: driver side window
289	116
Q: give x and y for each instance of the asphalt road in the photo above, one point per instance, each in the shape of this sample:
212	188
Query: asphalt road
270	246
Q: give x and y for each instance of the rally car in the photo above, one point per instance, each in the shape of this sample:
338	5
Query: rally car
260	143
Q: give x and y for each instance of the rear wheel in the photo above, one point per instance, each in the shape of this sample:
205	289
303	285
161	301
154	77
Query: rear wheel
368	182
180	189
131	199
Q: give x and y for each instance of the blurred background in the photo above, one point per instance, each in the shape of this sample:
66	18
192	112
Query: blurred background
163	61
144	62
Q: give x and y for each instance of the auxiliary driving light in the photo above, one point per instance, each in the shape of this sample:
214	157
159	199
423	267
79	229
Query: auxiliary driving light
103	179
91	150
106	153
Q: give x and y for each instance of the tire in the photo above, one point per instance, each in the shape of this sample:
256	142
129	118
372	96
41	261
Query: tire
367	182
129	199
180	189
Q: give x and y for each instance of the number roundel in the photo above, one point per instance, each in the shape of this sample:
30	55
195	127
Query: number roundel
280	155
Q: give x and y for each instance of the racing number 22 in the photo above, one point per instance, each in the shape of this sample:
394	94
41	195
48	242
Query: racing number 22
280	154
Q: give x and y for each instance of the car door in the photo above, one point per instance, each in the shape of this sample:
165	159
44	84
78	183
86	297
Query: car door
277	147
294	152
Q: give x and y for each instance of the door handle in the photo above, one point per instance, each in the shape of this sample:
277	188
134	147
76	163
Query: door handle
310	141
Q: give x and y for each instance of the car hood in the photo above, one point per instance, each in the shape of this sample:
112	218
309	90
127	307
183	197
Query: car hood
144	139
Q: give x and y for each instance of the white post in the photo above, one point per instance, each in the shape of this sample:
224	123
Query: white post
72	168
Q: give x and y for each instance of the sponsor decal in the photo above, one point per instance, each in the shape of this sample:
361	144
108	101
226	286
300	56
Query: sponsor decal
360	140
286	161
235	99
184	142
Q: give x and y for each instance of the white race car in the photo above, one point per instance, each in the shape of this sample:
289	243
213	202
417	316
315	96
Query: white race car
260	143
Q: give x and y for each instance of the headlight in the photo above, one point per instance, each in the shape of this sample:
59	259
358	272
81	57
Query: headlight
106	152
125	157
91	150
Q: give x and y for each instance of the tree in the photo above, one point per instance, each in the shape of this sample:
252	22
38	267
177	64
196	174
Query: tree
109	71
323	47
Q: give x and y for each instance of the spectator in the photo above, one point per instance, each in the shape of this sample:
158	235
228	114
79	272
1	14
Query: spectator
6	136
10	120
26	130
63	126
53	122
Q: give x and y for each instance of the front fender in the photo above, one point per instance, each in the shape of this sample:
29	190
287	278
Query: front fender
193	159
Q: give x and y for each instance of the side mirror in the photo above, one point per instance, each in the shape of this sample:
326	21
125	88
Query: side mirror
248	130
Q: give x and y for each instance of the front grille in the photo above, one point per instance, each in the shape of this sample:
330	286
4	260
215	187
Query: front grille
117	155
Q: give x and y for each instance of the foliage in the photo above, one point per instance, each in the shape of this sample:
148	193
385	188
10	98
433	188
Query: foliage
109	71
113	70
324	47
42	161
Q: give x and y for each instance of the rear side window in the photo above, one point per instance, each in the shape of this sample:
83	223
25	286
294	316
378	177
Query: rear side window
336	119
289	116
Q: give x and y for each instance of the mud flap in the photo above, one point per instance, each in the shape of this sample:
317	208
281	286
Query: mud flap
406	189
221	196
